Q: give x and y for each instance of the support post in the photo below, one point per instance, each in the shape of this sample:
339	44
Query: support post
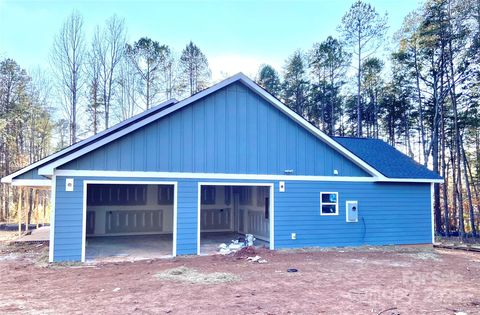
36	191
19	210
27	208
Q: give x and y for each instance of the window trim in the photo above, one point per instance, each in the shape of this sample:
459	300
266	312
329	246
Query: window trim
329	203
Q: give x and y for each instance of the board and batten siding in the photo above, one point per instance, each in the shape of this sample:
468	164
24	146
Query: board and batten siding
231	131
389	213
31	174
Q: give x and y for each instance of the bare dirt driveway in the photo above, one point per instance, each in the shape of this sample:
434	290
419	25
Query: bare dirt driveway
382	280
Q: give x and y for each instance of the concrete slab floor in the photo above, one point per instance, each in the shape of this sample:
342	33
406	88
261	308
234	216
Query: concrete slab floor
128	248
209	241
42	234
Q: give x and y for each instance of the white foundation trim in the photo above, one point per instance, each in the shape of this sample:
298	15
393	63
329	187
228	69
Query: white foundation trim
133	182
253	184
93	173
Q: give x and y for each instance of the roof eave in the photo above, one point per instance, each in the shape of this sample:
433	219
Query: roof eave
8	179
413	180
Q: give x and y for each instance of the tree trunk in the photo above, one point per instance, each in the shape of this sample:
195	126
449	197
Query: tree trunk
445	175
469	193
359	77
454	187
474	188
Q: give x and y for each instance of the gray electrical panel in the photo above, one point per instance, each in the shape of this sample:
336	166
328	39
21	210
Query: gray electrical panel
352	211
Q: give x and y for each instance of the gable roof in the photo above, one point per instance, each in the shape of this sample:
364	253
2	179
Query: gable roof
386	159
47	165
81	144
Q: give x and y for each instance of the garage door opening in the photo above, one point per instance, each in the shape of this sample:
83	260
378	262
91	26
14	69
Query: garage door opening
229	213
129	221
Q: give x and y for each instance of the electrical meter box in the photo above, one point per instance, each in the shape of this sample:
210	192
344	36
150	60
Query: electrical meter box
352	211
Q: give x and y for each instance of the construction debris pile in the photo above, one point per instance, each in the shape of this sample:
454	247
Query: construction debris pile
236	245
242	248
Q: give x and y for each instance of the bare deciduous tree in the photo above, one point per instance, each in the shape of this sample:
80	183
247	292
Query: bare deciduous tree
108	47
67	62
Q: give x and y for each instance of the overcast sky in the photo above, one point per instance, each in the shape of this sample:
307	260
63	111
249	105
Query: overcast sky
235	35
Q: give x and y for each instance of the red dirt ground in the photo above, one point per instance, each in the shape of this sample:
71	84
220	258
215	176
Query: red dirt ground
382	280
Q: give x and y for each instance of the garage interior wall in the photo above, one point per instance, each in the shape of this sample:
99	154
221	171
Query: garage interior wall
239	209
138	202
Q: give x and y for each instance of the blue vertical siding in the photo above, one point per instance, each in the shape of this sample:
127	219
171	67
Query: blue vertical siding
230	131
187	213
389	213
68	221
32	174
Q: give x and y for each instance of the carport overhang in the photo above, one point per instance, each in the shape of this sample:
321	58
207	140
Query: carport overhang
36	183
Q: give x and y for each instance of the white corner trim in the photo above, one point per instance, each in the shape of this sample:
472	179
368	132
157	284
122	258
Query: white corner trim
8	179
432	206
51	244
84	220
32	182
131	182
175	216
272	217
271	241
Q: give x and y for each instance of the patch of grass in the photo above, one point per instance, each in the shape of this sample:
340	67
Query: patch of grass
66	264
423	256
185	274
43	258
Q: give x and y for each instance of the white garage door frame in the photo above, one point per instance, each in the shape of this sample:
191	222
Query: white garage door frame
251	184
122	182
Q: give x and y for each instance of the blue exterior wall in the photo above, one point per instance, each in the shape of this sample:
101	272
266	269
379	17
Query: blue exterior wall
389	213
32	174
230	131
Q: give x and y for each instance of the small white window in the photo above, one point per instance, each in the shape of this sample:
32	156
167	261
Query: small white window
328	203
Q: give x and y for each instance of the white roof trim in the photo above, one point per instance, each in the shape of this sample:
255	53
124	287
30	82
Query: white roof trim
48	169
8	179
227	176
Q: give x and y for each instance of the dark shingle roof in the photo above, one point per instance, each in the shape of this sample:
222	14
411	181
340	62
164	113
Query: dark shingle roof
385	158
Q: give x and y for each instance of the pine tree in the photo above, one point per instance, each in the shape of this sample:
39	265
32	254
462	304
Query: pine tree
328	62
295	85
269	79
363	29
194	68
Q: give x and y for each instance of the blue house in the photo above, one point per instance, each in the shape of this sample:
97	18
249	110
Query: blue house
185	176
